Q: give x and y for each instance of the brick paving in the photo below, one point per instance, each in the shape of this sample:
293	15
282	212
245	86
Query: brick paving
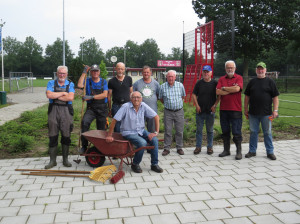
192	189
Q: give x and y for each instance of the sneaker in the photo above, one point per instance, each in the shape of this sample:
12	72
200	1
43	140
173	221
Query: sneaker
156	169
136	168
82	150
271	156
180	151
166	152
250	154
210	151
197	150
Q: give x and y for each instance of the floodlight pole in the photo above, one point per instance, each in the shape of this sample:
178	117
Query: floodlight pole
82	48
64	62
2	49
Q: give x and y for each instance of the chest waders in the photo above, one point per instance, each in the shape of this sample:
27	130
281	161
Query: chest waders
60	118
96	109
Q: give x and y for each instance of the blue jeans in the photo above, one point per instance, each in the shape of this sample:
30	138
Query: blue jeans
209	119
231	120
140	141
114	110
266	126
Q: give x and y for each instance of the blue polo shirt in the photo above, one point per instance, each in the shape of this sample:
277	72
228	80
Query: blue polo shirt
50	87
95	85
133	122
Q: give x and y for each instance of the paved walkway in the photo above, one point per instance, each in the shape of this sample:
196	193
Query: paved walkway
23	101
192	189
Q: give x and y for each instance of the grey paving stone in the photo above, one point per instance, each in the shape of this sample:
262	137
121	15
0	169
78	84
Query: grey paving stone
261	199
284	197
107	204
57	208
222	186
138	220
242	201
194	206
176	198
23	201
165	218
264	209
282	188
94	214
160	191
81	206
9	211
130	202
31	210
47	200
220	194
216	214
70	198
190	217
263	219
120	212
166	183
219	203
116	194
14	220
60	191
170	208
242	220
5	203
67	217
242	192
16	194
39	193
288	206
93	196
182	189
154	200
290	217
240	211
146	210
110	221
198	196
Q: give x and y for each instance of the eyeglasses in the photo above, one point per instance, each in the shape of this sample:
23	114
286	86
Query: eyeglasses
136	97
62	73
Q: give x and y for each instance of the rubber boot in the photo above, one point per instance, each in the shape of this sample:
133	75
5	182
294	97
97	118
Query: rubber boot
53	154
65	154
226	143
238	144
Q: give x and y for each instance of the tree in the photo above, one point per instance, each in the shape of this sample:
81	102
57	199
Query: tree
31	53
259	25
103	70
12	51
54	55
150	53
133	54
75	70
114	51
92	53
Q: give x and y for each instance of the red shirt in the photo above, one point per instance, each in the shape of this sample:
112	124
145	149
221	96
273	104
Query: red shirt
231	101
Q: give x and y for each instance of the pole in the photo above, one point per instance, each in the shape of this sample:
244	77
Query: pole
183	49
125	55
232	33
82	48
2	49
64	62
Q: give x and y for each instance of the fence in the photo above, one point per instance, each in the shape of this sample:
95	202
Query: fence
20	81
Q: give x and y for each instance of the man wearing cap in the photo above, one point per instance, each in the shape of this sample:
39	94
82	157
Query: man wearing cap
205	99
172	94
261	92
60	93
119	89
229	88
96	97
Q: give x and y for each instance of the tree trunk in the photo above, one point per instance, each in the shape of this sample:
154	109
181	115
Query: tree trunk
245	70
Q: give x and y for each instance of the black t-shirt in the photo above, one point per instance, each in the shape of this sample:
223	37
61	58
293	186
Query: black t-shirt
206	94
261	93
120	90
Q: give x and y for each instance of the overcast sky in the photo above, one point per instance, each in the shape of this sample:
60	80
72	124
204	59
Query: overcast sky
111	22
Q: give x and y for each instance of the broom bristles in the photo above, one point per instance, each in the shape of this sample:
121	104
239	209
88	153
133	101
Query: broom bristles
103	173
118	176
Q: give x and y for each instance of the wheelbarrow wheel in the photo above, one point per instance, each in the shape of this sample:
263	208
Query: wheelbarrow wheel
94	161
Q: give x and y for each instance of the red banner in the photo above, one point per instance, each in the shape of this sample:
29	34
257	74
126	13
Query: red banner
168	63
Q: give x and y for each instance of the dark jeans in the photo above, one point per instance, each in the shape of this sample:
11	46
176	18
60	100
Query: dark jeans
114	110
231	121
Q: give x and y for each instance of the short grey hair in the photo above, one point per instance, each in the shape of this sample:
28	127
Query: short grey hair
62	67
171	71
131	94
230	61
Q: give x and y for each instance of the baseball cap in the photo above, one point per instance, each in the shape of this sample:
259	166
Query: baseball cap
261	64
207	68
95	68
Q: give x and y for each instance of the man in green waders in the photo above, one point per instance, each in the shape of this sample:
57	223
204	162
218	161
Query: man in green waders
60	93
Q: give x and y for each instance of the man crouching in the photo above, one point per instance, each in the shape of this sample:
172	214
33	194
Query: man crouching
132	116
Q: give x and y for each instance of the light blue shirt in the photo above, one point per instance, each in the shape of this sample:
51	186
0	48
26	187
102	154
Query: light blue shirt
133	122
50	87
172	95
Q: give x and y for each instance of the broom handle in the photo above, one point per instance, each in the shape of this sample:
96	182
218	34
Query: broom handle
53	174
84	88
55	171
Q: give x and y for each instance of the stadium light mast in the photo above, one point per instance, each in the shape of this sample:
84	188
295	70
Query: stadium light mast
2	49
82	48
64	62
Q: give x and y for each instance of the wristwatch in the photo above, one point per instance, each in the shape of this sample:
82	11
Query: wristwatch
155	132
276	110
223	88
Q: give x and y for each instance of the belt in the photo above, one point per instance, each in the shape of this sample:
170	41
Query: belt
174	110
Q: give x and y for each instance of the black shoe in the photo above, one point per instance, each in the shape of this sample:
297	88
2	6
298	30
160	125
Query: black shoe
82	150
271	156
224	153
165	152
180	151
136	168
250	154
156	169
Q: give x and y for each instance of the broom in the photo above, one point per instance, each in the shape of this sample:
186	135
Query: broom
100	174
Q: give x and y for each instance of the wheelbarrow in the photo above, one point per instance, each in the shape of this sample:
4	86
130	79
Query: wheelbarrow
120	148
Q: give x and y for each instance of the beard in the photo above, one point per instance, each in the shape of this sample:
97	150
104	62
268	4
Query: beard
230	74
61	79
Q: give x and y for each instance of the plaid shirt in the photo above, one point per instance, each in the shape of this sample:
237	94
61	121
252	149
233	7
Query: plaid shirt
172	95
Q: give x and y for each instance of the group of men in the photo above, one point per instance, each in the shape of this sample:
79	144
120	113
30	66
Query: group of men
133	107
